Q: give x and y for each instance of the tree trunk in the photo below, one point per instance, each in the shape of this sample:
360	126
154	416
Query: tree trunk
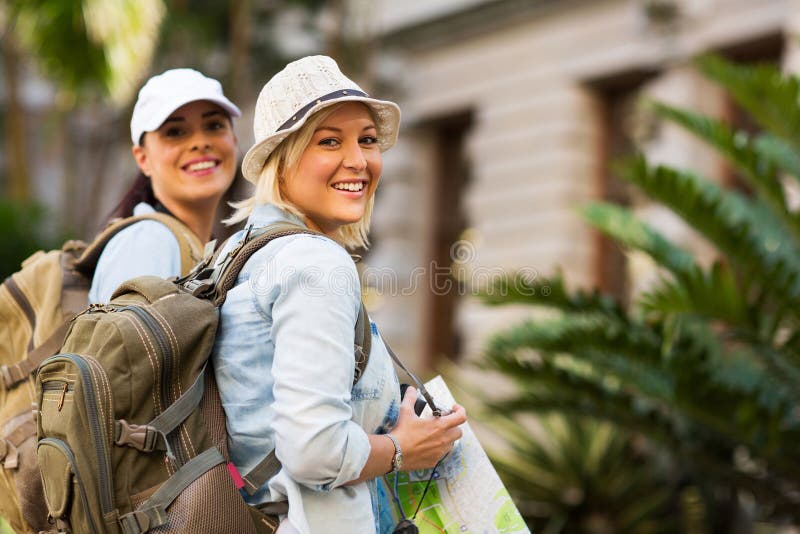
15	137
240	32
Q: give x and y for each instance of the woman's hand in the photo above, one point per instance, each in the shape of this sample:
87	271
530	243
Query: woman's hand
425	440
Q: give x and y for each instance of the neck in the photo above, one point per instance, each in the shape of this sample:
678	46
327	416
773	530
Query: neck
333	233
195	217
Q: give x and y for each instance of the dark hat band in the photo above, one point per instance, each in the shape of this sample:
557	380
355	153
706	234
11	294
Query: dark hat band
305	109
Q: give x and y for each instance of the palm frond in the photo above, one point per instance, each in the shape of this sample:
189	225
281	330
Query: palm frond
753	245
769	96
759	171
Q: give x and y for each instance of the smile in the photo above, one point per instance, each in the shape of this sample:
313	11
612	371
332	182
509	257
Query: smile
350	186
197	166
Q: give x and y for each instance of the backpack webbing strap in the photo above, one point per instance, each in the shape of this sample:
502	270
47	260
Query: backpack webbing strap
263	471
363	342
264	523
254	240
189	244
18	372
145	437
153	512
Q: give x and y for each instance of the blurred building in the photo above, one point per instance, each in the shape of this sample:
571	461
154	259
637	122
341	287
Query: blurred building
513	111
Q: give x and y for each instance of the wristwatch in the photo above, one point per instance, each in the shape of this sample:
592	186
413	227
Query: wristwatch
397	459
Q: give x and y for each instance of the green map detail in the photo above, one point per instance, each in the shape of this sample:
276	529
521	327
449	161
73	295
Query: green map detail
432	517
507	518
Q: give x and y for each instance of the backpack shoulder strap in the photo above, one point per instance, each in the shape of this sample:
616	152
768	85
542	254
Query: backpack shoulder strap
188	243
225	277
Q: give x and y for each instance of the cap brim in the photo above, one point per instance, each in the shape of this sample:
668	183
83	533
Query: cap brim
156	119
387	117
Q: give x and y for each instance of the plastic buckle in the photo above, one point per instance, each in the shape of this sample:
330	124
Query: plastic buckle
141	437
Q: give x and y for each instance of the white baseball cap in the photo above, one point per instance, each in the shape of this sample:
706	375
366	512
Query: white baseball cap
301	89
166	92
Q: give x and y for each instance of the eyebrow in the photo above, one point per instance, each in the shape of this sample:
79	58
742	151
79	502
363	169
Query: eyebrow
338	130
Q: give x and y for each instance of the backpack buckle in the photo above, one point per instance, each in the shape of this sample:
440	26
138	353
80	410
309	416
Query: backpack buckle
198	288
140	437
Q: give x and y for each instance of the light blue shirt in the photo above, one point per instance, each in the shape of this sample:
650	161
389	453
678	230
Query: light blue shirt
144	248
284	365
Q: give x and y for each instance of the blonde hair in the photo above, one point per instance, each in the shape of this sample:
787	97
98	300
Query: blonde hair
285	156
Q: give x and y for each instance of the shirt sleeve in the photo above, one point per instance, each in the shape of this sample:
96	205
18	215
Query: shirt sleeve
313	330
144	248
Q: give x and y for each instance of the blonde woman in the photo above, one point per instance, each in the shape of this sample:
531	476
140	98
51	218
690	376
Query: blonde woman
284	352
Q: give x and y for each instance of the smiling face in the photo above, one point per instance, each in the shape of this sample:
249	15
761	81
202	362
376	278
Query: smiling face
190	158
338	172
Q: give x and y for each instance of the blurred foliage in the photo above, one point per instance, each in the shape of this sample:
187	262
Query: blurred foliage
21	234
571	474
4	527
78	43
706	362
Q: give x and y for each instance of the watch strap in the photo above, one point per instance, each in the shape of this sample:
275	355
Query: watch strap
397	457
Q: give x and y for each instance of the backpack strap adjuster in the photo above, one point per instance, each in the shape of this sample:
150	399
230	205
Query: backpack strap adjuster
135	522
141	437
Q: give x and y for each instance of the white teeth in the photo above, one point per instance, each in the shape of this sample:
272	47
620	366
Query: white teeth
349	186
201	165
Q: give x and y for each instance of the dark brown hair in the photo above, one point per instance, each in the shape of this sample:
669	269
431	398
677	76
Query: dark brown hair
140	191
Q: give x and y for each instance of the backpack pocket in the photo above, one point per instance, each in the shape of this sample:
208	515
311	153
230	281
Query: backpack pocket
64	490
75	428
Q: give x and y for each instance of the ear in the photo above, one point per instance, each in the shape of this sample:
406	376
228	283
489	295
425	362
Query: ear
140	156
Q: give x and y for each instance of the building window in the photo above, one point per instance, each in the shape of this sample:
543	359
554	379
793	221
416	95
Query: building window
449	220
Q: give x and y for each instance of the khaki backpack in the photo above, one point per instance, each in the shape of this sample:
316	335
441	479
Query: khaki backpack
132	434
36	306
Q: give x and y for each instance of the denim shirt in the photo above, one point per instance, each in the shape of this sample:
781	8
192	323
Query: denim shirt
146	247
284	364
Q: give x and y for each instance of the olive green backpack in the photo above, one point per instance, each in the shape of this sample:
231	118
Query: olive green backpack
132	434
36	306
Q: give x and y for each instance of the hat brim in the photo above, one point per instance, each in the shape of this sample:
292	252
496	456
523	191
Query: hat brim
156	119
387	118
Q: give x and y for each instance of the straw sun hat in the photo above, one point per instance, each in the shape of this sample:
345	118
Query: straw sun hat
302	88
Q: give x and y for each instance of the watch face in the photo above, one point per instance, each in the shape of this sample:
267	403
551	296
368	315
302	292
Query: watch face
397	461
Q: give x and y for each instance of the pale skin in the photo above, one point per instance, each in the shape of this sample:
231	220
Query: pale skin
191	162
331	184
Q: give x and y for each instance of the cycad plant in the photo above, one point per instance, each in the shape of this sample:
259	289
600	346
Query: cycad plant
706	362
577	475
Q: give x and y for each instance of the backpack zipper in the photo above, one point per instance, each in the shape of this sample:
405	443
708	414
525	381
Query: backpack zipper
59	385
167	371
92	394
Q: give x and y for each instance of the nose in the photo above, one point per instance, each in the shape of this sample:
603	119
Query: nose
200	141
354	158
